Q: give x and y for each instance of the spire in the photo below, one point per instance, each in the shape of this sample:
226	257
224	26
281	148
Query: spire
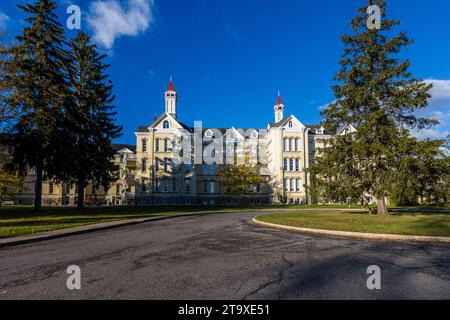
171	87
279	102
279	109
171	99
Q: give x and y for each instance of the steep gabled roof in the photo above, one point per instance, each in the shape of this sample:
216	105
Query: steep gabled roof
119	146
171	87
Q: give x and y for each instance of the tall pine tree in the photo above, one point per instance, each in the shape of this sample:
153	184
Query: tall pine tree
378	96
89	121
38	76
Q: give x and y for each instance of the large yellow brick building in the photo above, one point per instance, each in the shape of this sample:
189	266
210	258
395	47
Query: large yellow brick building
283	151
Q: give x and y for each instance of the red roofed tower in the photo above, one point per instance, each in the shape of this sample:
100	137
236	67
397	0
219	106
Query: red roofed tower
279	109
171	99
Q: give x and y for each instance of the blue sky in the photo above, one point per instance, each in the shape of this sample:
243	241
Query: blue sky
229	58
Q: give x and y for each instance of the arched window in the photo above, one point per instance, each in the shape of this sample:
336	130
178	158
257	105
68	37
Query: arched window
166	124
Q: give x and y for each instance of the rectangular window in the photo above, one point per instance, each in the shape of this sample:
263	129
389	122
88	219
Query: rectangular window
166	165
144	145
292	145
212	187
291	164
156	187
205	187
143	186
174	185
118	189
174	165
144	165
293	185
187	185
287	184
156	164
286	144
297	146
258	188
94	189
157	145
297	164
298	185
50	188
166	145
285	165
165	185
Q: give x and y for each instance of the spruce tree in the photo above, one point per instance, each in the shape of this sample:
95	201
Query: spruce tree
89	120
376	94
37	73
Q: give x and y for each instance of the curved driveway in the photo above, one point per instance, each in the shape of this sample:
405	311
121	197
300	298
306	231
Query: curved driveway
221	256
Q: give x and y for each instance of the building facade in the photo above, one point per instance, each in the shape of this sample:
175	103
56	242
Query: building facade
282	151
121	192
173	163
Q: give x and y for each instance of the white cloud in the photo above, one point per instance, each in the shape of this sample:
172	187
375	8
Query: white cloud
439	109
110	20
325	106
3	19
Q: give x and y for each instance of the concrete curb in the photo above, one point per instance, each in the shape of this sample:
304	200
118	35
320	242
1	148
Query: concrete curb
354	235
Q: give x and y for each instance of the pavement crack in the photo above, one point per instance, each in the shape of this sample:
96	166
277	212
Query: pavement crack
279	277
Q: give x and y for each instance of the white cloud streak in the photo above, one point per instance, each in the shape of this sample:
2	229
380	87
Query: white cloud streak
109	19
3	19
439	109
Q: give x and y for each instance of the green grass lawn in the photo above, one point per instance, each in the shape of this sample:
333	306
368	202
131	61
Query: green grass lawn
398	223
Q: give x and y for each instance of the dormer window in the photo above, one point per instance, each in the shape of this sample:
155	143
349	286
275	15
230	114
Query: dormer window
319	131
166	124
290	124
209	134
254	135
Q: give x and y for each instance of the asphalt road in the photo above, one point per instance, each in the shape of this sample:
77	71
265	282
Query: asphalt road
221	256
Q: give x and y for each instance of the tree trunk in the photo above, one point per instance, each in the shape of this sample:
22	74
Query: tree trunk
381	207
38	188
80	200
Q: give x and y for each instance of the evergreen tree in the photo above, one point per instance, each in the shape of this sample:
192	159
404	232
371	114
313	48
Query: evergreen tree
421	174
89	121
378	96
37	73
